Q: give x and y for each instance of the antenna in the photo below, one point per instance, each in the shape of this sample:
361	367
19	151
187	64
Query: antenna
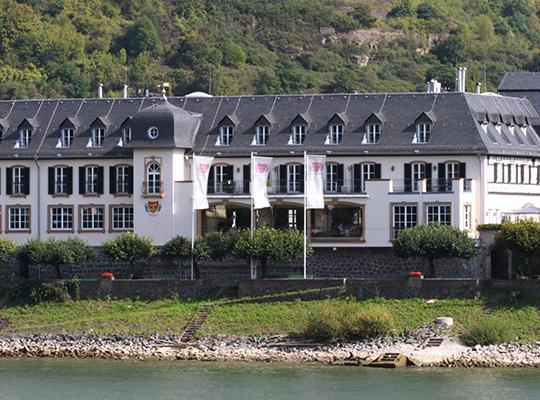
210	82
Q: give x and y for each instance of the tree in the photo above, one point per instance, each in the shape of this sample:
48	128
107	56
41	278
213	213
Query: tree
270	245
143	36
362	13
451	51
8	246
56	253
129	247
522	236
176	249
433	242
403	8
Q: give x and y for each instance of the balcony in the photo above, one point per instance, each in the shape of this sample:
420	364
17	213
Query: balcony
152	188
417	186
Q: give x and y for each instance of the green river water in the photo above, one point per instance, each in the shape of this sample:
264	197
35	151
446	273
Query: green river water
99	379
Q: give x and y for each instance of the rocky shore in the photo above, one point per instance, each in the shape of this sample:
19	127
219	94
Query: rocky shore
413	345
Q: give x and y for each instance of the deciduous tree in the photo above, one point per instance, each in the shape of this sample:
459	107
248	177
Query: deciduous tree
129	247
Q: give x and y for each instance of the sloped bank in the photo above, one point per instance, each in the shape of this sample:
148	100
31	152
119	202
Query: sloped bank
267	349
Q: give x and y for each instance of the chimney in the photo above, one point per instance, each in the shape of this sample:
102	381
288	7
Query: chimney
478	84
125	92
461	79
100	91
433	86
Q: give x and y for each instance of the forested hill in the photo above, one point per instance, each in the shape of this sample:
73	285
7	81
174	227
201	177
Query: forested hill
66	48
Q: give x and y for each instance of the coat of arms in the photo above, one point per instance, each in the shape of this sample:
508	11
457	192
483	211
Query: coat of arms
152	207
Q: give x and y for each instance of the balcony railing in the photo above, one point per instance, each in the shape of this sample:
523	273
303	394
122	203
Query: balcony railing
322	232
432	185
152	188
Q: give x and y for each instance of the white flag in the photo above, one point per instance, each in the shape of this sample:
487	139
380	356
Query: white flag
200	181
315	181
259	189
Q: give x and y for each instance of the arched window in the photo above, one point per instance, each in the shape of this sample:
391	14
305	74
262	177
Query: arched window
153	178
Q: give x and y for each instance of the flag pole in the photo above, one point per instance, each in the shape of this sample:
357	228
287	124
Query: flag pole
192	215
252	266
305	213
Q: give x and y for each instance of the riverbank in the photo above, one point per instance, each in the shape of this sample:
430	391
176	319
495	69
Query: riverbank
275	349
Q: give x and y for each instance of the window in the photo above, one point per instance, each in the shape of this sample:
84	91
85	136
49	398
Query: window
331	178
511	175
292	218
403	216
126	136
373	132
423	132
91	180
335	135
153	132
337	222
498	173
467	216
153	179
418	174
121	179
452	171
61	218
98	134
18	218
25	135
122	218
262	134
368	172
298	134
60	180
18	181
221	179
294	178
91	218
226	133
66	137
440	214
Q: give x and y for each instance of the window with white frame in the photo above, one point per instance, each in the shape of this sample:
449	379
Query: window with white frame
122	179
498	173
294	178
153	132
373	132
336	133
440	214
25	135
126	135
418	174
262	133
423	132
91	218
61	218
467	216
452	170
368	172
61	180
122	218
511	173
226	133
298	134
98	134
91	180
220	178
19	180
66	137
153	179
332	178
403	216
292	218
18	218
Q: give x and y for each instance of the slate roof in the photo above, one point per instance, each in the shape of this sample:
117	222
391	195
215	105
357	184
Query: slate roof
524	85
463	123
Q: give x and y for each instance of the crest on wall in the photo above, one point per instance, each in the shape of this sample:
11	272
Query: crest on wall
152	207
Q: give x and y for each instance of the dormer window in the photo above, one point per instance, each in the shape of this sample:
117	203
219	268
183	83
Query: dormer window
25	135
498	127
153	132
335	134
423	132
66	137
1	133
261	135
373	132
98	134
226	133
298	134
126	135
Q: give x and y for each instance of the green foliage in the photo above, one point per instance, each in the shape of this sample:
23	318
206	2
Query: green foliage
33	251
489	227
362	13
432	242
340	321
522	236
178	248
8	246
489	330
451	51
143	37
403	8
129	247
26	292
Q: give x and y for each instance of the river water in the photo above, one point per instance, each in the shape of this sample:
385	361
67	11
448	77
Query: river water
99	379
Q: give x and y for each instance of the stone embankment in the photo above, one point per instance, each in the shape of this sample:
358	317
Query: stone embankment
271	349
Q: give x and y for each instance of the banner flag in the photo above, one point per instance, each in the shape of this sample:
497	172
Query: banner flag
315	181
259	188
201	166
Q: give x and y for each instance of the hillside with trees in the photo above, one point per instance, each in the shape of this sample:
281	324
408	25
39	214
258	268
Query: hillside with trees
66	48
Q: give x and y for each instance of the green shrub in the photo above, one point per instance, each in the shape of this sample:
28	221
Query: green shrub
26	292
373	322
489	330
